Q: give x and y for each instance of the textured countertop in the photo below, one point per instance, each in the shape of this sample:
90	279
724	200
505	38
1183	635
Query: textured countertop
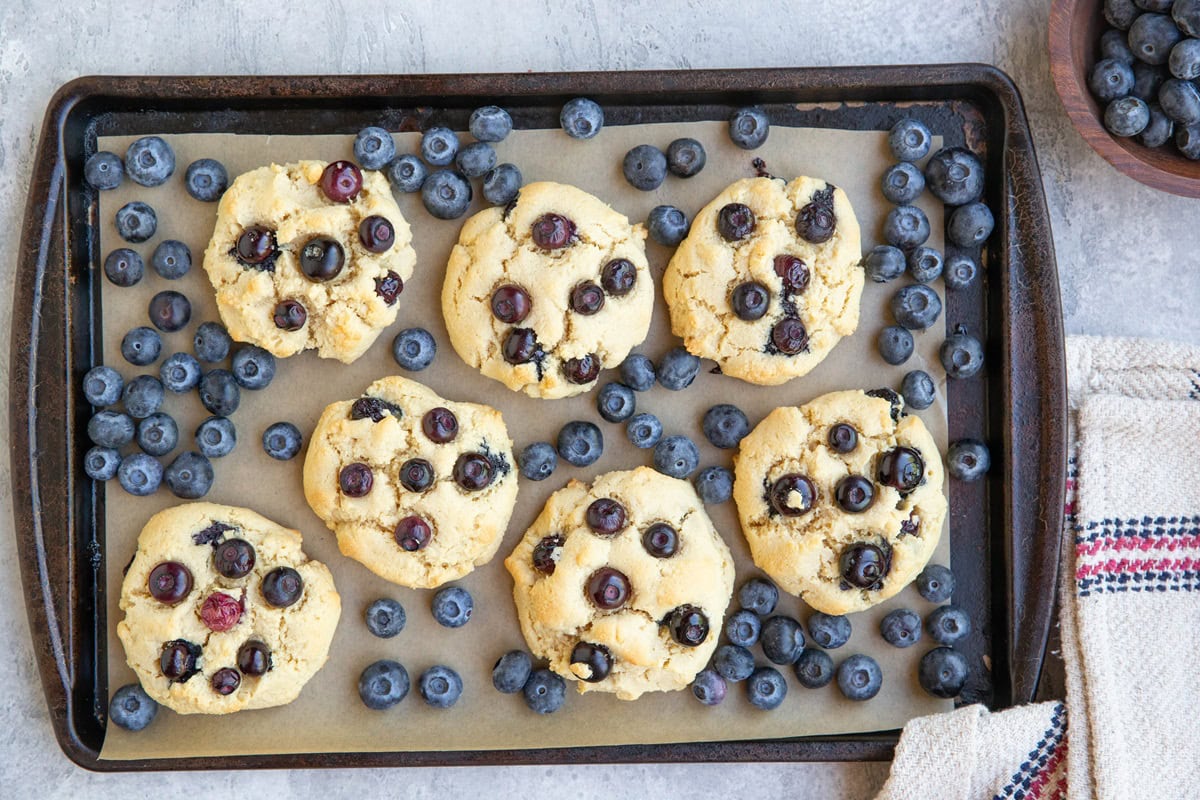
1115	239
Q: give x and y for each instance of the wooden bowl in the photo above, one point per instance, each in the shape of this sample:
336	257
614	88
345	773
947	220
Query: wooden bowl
1075	28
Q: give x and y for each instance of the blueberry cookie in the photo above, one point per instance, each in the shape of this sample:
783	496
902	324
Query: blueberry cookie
841	499
417	488
309	256
543	294
223	611
768	280
622	585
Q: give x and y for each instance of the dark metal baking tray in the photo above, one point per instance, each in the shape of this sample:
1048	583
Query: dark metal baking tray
1004	530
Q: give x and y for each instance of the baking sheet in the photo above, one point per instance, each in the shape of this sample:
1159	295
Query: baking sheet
328	716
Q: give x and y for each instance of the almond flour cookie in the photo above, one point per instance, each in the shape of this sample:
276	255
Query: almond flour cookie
309	256
623	584
841	499
543	294
223	611
417	488
768	280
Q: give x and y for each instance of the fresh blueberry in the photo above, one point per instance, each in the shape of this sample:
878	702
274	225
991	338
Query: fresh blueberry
446	194
859	677
131	708
782	640
189	476
1159	130
1121	13
970	225
111	429
709	687
383	684
206	180
831	632
644	430
580	443
101	463
179	372
714	484
961	354
901	627
149	161
725	426
103	170
219	392
884	263
733	662
385	618
211	342
157	434
968	459
124	267
140	474
545	692
645	167
537	461
490	124
743	628
136	222
906	227
758	595
909	140
637	372
902	183
1180	101
918	390
685	157
1111	79
947	624
414	349
452	607
814	668
1187	139
142	396
1147	80
1127	116
102	386
439	146
749	127
581	118
1184	62
925	264
512	671
615	402
676	456
943	672
407	173
172	259
374	147
282	441
895	344
677	369
1114	45
935	583
955	176
216	437
766	688
476	159
916	307
668	225
501	184
170	311
1186	14
960	272
1151	38
252	367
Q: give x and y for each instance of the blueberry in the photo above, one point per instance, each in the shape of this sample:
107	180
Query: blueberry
615	402
644	430
216	437
749	128
385	618
709	687
884	263
170	311
1114	45
637	372
102	386
943	672
439	146
374	147
782	640
545	692
252	367
140	474
100	463
211	342
961	355
918	390
446	194
733	662
1111	79
902	183
725	426
206	180
901	628
1147	80
219	392
136	222
490	124
645	167
407	173
124	267
131	708
859	677
758	595
1186	14
925	264
580	443
476	159
831	632
677	369
452	607
968	459
149	161
947	624
668	225
766	688
1151	37
179	373
1159	130
909	140
1184	61
190	475
142	396
895	344
916	307
743	628
512	671
714	484
414	349
172	259
960	272
157	434
955	176
935	583
282	441
537	461
1128	116
1180	101
971	225
110	429
813	669
501	184
906	227
103	170
383	684
1187	139
685	157
1121	13
581	118
676	456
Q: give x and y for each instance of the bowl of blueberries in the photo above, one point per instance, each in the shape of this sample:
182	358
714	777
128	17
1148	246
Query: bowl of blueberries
1128	73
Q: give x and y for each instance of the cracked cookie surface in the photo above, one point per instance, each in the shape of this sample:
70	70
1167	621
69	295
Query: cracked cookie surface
795	314
634	631
545	293
804	536
296	637
342	314
419	489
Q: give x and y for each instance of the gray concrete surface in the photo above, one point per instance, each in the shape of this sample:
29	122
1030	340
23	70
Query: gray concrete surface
1127	254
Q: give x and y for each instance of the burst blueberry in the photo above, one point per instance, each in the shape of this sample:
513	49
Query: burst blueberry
581	118
749	128
136	222
103	171
676	456
124	267
644	430
206	179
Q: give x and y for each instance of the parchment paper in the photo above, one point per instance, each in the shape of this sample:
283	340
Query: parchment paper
328	716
